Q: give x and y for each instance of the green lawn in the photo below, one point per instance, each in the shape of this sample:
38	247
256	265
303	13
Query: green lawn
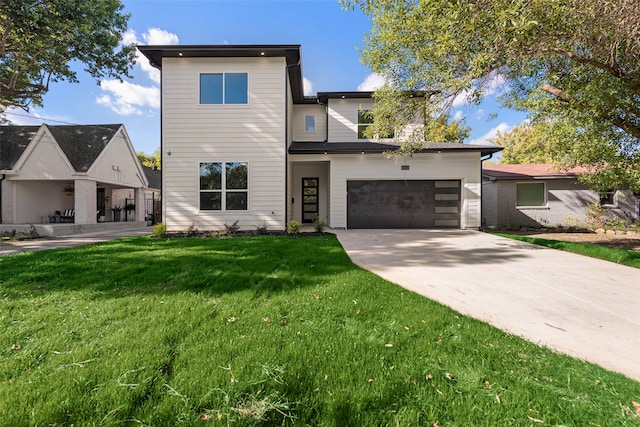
619	256
266	331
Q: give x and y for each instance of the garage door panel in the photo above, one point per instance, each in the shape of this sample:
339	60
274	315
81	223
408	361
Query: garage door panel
403	204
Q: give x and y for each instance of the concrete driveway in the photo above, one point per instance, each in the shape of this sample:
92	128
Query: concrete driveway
577	305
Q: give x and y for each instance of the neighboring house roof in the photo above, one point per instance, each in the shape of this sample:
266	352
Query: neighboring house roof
83	144
529	171
290	52
154	177
375	147
13	142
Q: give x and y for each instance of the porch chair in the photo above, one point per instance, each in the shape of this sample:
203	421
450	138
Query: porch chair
68	215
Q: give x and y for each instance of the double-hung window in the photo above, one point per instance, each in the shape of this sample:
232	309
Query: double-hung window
224	88
309	123
224	186
365	119
531	194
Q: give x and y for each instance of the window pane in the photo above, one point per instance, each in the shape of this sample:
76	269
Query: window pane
236	201
210	200
364	116
309	123
236	88
531	194
236	176
210	176
210	88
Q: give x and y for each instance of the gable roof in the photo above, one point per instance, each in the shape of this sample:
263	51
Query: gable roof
154	177
13	142
377	147
530	171
82	144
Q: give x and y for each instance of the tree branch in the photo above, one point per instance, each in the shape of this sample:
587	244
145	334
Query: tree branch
560	94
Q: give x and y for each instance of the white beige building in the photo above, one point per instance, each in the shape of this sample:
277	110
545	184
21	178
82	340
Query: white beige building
241	142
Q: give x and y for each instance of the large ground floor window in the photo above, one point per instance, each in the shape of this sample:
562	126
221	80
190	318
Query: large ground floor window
224	186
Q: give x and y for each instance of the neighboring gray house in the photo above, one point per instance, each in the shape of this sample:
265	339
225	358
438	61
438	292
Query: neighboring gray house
542	195
241	141
39	164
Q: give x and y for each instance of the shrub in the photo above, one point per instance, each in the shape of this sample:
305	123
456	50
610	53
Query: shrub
160	230
293	227
192	230
595	215
261	229
233	228
319	224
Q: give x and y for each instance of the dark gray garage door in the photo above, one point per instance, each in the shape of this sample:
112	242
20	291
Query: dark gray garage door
403	204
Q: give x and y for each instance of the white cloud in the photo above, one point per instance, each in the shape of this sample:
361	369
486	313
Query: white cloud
479	114
493	132
458	115
372	82
127	98
490	86
307	86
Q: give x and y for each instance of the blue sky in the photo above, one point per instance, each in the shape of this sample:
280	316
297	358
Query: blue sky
329	37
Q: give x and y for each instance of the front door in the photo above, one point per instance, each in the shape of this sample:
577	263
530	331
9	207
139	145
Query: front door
310	187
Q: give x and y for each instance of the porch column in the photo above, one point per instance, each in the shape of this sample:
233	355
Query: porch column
86	201
138	194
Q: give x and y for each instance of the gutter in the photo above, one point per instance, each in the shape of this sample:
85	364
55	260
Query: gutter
286	141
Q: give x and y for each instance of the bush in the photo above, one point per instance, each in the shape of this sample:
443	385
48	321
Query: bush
595	215
293	227
319	224
160	230
233	228
262	229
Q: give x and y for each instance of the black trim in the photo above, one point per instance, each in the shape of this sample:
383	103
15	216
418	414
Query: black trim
374	147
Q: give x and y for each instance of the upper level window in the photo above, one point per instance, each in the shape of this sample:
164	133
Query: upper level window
529	194
310	123
224	186
224	88
364	120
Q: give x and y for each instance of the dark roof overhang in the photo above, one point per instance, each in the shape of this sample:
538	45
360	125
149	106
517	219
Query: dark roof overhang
291	53
377	147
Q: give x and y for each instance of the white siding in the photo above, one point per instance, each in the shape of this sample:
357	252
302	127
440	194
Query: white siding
299	113
448	166
253	133
343	120
117	164
43	159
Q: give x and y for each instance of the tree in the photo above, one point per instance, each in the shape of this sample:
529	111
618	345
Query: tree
526	143
568	60
149	160
40	39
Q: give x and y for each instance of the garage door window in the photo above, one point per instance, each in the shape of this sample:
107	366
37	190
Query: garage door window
531	194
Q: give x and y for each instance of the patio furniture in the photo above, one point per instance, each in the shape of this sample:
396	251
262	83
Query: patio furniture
68	215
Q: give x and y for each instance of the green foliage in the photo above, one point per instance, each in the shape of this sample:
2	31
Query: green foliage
150	160
293	227
319	224
266	331
40	39
619	256
160	230
233	228
526	143
596	215
573	62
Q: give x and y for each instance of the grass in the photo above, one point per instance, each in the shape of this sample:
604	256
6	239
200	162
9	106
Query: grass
266	331
619	256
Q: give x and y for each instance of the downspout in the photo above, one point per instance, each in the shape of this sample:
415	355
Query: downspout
286	141
489	156
326	121
1	179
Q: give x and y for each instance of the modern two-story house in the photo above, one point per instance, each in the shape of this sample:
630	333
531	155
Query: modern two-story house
241	141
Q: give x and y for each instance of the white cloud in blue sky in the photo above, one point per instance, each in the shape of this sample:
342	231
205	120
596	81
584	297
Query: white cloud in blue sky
307	86
372	82
125	98
493	132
